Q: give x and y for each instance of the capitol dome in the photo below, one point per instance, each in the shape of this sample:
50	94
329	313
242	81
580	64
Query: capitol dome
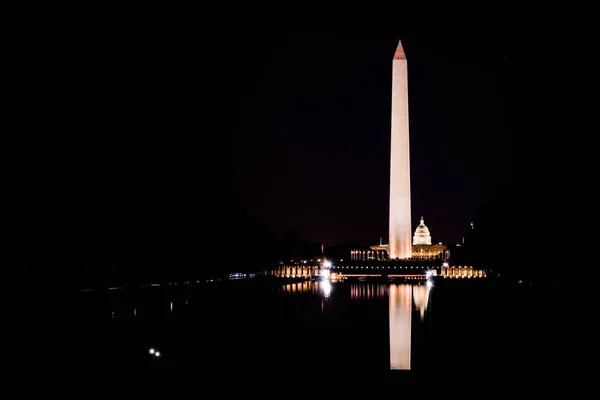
422	235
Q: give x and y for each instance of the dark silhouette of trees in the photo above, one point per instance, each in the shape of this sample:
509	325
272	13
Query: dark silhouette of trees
493	241
256	247
295	246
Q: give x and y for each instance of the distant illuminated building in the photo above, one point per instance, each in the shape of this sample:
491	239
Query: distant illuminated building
422	235
422	247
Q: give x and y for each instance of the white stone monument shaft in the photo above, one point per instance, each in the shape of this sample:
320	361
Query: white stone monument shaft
400	245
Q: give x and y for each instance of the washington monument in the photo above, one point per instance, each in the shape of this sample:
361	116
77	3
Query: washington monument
400	245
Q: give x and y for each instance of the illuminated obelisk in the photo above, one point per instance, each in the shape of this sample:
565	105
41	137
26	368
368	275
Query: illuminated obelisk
400	245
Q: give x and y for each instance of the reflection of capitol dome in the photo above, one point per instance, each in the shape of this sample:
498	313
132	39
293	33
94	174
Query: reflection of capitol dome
421	298
422	235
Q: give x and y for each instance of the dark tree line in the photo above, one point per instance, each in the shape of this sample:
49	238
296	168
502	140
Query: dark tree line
500	242
239	243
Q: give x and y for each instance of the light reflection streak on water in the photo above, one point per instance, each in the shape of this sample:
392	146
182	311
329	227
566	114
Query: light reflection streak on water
326	286
368	291
323	287
300	287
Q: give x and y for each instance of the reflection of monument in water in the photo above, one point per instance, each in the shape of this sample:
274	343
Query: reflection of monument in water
401	298
403	301
400	326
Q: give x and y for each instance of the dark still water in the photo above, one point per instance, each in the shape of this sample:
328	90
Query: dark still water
249	328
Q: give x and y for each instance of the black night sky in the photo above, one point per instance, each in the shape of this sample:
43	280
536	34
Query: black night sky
155	131
313	131
311	122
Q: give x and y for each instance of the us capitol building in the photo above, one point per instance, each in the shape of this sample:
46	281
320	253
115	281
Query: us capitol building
422	249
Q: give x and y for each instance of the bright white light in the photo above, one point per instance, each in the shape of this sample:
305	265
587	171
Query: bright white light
157	354
428	274
445	264
152	351
430	284
326	288
327	264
